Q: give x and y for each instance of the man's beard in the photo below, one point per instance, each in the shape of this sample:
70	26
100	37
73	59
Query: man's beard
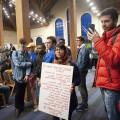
108	28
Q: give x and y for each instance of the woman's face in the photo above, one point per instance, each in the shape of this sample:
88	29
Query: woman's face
60	53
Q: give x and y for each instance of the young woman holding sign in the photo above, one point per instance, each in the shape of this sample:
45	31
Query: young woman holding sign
61	57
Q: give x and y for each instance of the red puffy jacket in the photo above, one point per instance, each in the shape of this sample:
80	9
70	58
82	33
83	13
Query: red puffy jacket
109	56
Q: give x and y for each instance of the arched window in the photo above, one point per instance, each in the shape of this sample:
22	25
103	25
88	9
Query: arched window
68	27
38	40
85	21
59	31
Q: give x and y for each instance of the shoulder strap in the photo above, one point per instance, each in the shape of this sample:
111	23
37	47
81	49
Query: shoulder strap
109	73
107	66
113	39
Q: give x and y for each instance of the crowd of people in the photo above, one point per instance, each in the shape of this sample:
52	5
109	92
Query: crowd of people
27	61
26	69
5	64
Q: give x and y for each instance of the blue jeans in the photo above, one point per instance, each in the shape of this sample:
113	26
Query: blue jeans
111	100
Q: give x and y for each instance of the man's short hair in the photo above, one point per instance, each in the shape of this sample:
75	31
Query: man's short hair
42	44
53	39
110	11
81	38
22	41
62	39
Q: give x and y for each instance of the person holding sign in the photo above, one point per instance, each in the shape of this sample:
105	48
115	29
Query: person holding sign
61	57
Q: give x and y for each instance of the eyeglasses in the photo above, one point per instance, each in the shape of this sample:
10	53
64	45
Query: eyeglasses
58	49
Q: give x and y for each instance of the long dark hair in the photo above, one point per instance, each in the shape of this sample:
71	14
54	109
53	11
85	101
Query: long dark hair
66	59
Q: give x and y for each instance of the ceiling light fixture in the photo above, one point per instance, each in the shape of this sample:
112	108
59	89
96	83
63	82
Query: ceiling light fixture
38	21
96	11
98	14
10	5
44	20
3	8
93	8
88	1
8	16
91	4
36	15
32	15
33	19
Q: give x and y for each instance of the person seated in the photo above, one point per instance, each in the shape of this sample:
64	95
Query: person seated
6	91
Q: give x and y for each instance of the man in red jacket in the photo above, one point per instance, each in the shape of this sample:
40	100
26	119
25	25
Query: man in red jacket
108	66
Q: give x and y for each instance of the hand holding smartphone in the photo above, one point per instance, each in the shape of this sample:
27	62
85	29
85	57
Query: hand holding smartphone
92	34
91	30
91	27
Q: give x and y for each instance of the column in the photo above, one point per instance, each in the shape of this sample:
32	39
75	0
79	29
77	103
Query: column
72	13
23	28
22	20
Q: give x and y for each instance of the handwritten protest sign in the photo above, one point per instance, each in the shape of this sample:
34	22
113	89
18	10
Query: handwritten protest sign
54	96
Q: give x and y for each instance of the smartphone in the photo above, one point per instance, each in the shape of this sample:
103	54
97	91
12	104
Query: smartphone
92	27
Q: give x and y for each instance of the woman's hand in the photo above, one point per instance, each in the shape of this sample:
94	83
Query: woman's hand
26	78
38	81
39	84
72	88
1	84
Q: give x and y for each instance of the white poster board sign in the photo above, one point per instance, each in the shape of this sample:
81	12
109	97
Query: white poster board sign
54	96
